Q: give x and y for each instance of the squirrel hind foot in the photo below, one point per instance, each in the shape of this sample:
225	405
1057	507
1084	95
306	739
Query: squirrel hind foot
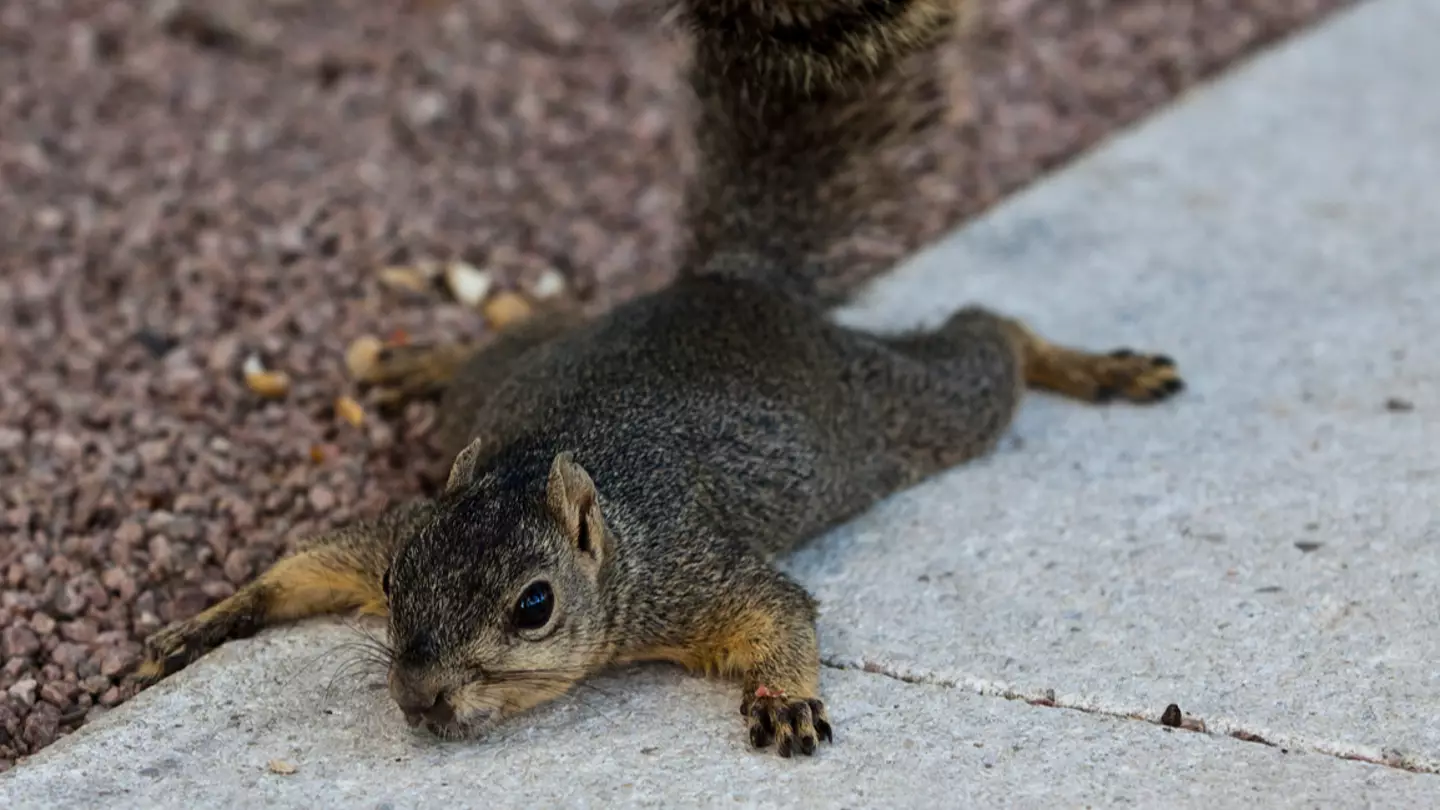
407	373
1123	375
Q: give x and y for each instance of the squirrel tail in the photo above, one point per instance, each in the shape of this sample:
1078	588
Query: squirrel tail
796	101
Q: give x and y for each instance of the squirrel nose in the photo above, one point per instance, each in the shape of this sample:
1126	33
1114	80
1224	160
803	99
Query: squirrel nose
420	702
432	706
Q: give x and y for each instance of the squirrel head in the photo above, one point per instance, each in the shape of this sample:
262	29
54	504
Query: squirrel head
495	604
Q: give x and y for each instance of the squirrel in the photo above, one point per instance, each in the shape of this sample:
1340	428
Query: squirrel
621	484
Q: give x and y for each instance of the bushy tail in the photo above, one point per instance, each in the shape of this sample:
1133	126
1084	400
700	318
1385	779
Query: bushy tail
797	100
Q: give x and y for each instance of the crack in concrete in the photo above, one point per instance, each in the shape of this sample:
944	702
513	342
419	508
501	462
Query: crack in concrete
1170	717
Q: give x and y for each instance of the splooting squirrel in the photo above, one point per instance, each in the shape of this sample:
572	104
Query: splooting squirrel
620	485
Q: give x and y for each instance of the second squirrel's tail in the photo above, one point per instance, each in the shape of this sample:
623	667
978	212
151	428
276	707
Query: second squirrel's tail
796	101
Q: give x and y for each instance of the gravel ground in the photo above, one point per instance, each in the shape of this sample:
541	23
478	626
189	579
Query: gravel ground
179	191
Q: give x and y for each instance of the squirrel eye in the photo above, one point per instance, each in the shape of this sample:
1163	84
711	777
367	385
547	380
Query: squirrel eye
385	583
536	604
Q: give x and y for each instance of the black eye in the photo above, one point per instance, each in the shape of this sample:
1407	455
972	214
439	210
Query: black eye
385	583
535	606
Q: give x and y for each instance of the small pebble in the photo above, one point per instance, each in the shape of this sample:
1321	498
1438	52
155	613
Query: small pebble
19	642
24	691
58	693
551	284
42	726
42	623
322	499
115	662
1172	716
469	284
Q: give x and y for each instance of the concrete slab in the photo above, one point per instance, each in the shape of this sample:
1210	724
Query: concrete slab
648	737
1265	550
1261	552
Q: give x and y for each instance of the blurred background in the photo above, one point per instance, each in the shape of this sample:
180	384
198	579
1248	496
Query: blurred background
204	203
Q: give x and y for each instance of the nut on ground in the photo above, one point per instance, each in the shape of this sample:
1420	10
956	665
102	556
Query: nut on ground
507	309
268	384
361	357
349	410
406	278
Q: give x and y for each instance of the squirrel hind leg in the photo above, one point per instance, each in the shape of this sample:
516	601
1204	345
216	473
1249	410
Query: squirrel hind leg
1122	374
415	372
1096	377
465	372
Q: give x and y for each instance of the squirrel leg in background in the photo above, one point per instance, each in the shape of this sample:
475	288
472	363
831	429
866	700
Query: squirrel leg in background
332	573
420	371
1075	373
416	371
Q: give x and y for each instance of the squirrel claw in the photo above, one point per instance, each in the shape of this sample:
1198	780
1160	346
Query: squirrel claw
792	724
1135	377
166	652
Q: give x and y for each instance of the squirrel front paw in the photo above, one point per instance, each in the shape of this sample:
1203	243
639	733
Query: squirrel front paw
168	651
179	645
793	724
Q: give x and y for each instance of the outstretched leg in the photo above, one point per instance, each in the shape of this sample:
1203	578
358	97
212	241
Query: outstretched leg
933	399
333	573
462	374
762	630
421	371
1074	373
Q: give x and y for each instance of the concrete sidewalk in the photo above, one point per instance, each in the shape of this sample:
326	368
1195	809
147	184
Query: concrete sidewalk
1263	552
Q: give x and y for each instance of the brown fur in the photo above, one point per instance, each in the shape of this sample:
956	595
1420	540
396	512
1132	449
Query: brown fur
620	485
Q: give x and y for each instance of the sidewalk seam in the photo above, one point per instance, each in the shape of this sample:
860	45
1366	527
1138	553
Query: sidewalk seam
1169	718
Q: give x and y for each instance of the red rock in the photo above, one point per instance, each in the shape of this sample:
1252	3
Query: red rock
19	642
116	661
42	623
58	693
81	631
41	726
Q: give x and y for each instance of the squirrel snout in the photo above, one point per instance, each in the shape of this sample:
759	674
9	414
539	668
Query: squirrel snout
436	709
421	703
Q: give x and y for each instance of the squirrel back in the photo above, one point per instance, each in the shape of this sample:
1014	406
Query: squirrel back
796	105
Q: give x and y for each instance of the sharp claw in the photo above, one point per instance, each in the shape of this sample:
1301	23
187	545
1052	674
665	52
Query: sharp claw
758	737
766	721
793	725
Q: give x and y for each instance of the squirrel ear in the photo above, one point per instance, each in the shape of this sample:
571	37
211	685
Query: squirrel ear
573	500
462	469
